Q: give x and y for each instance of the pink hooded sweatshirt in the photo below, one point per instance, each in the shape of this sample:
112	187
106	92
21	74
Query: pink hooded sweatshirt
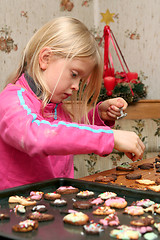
34	148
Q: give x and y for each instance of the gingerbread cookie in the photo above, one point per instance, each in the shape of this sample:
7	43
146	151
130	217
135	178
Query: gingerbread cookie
93	228
103	211
85	194
40	217
76	218
134	210
21	200
25	226
146	166
52	196
67	190
82	204
106	179
107	195
133	176
110	220
59	203
116	202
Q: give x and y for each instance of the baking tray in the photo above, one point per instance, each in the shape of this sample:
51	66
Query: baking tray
56	229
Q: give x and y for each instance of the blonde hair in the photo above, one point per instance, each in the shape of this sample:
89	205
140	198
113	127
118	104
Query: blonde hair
68	38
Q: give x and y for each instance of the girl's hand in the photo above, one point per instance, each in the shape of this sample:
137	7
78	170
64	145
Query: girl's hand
110	109
129	143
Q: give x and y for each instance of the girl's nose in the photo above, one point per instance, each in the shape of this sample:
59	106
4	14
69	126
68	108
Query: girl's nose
75	85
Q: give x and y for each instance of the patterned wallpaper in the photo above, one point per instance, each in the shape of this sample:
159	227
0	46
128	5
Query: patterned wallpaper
135	24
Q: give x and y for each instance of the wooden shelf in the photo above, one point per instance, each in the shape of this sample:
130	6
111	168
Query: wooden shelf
142	109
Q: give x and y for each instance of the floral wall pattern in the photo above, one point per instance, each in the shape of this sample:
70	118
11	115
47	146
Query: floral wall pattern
135	24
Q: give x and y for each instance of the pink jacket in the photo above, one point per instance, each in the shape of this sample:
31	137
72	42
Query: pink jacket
34	148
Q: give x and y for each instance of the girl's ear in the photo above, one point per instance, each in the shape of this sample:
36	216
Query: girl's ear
44	57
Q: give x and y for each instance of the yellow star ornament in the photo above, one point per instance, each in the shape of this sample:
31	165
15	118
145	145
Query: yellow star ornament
107	17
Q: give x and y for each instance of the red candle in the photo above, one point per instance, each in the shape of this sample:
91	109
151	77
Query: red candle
109	84
132	75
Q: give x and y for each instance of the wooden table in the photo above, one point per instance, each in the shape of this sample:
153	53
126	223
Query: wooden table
121	179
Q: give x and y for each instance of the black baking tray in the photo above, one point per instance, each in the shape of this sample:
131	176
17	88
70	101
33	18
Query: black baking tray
56	229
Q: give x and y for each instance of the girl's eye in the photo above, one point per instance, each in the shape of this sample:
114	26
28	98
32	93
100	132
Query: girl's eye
74	74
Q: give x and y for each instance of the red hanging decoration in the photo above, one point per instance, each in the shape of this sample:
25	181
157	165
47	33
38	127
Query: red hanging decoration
110	77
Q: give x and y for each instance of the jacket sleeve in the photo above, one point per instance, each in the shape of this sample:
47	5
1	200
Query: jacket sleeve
97	120
26	130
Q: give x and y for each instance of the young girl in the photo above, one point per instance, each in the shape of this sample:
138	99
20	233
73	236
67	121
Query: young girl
39	136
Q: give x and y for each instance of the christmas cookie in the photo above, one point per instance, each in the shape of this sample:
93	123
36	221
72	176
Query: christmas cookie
145	181
59	203
21	200
125	167
20	209
150	236
133	176
4	216
144	203
36	195
146	166
82	205
110	220
39	208
116	202
76	218
107	195
143	229
85	194
157	226
40	217
134	210
52	196
25	226
93	228
106	179
97	201
125	234
67	190
103	211
154	188
143	221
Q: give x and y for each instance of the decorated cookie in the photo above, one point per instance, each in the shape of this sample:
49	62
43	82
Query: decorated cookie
143	221
157	226
39	208
21	200
67	190
145	181
36	195
76	218
110	220
116	202
25	226
52	196
150	236
85	194
107	195
20	209
82	204
125	234
40	217
134	210
144	203
126	166
143	229
4	216
59	202
153	208
97	201
93	228
103	211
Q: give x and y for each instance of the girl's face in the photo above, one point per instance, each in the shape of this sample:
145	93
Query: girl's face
63	76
